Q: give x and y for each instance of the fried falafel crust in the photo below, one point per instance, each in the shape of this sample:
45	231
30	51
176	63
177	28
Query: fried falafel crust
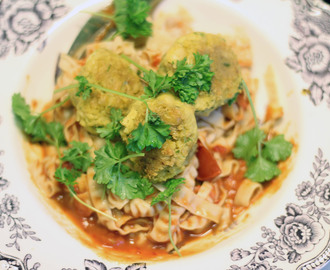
159	165
107	69
227	75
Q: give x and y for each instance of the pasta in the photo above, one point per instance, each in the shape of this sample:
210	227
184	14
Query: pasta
137	226
246	191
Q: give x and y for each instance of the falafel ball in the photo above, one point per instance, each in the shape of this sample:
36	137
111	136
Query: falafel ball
159	165
227	75
107	69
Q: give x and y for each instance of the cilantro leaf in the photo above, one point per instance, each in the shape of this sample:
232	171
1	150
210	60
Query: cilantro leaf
277	149
56	131
149	136
130	18
260	170
20	108
261	166
172	186
111	130
189	79
78	156
84	90
118	177
35	126
32	125
246	145
156	84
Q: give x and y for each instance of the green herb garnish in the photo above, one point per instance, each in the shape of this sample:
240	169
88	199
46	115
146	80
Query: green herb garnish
111	130
80	159
189	79
34	125
151	135
84	89
148	136
171	186
78	156
261	156
156	84
130	18
111	171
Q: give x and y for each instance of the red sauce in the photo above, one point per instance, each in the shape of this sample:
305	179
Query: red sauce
101	236
127	246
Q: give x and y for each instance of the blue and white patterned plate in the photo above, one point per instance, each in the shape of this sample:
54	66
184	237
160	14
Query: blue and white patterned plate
288	230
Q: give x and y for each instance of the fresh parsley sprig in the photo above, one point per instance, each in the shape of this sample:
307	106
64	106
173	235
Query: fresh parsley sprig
189	80
111	130
130	17
35	125
111	171
80	159
150	135
156	83
171	186
260	155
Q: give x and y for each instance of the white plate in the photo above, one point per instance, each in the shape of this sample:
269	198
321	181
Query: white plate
289	230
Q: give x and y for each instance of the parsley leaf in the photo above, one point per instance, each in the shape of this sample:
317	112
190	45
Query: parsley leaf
246	145
261	169
156	84
67	176
189	79
84	89
277	149
118	177
130	18
149	136
78	156
105	160
129	184
172	186
111	130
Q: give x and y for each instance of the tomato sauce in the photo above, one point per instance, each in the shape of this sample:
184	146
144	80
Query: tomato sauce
127	247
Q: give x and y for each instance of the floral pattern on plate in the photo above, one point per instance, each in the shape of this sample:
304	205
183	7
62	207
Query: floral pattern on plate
296	232
14	263
300	229
311	48
22	22
96	265
9	207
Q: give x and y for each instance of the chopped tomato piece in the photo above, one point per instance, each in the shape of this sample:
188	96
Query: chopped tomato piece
242	101
222	150
155	60
208	166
